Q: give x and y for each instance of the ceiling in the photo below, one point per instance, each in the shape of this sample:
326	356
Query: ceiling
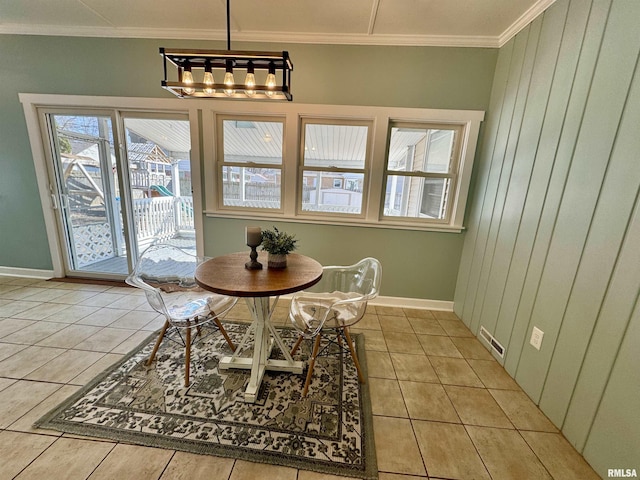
475	23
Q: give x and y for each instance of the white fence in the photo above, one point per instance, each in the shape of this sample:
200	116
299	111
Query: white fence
162	218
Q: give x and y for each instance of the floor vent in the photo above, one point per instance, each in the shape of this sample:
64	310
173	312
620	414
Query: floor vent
493	343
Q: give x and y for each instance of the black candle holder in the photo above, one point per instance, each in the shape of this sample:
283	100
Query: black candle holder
253	264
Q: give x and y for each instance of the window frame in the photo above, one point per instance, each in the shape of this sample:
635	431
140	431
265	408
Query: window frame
202	115
452	174
365	171
381	117
220	163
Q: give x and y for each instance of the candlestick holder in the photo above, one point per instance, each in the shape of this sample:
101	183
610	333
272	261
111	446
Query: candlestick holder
253	264
254	238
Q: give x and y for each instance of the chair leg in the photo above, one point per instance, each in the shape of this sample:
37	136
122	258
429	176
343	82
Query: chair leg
297	345
187	356
353	355
312	361
158	342
224	334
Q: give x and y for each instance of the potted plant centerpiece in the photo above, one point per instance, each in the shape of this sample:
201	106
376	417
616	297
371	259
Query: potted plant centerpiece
278	245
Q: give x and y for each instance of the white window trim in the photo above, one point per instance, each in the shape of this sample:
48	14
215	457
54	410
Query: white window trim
380	118
453	174
221	163
366	170
203	142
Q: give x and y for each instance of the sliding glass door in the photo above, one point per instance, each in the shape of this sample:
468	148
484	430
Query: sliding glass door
86	193
157	150
116	197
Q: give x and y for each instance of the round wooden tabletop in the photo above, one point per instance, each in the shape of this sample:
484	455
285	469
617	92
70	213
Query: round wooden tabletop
227	275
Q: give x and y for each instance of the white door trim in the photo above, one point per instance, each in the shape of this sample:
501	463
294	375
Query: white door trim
31	103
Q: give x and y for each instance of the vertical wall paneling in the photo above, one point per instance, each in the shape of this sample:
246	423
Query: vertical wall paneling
621	295
494	212
488	195
523	150
615	437
518	314
482	168
556	225
546	162
604	108
608	225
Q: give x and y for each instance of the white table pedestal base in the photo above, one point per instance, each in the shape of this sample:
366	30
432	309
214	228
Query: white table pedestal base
264	335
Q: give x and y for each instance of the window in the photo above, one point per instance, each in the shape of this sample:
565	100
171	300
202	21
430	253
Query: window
385	167
334	166
421	171
250	166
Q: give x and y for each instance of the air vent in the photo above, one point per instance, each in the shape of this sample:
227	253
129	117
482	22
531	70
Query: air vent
497	347
491	341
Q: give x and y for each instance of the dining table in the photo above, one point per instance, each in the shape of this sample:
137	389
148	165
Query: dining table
261	288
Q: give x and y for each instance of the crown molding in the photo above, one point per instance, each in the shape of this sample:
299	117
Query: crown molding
261	37
525	19
372	39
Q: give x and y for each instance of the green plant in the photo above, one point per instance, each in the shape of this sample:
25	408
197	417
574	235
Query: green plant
277	242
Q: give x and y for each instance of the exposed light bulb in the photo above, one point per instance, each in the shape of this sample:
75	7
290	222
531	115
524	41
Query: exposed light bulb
250	81
208	81
271	81
229	81
187	78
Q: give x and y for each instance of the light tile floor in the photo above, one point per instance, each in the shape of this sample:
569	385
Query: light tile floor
443	407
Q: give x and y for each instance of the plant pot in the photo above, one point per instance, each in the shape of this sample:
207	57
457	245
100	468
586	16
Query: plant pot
277	260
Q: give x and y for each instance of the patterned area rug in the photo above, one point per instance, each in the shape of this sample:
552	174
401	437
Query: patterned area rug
330	431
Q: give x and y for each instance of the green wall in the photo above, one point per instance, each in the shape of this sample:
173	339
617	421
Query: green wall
554	223
422	77
418	268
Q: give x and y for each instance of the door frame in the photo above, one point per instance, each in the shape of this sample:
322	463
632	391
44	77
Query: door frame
37	105
57	183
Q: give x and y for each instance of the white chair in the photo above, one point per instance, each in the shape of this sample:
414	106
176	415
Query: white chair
337	302
166	275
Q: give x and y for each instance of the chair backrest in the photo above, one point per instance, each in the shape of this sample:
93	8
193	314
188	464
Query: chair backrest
362	278
339	299
165	271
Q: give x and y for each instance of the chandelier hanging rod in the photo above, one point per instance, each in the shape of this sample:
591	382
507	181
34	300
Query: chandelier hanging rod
228	24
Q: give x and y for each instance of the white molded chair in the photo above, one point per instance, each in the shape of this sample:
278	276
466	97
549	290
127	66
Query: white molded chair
166	275
337	302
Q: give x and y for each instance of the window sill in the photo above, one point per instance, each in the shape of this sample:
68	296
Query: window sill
352	222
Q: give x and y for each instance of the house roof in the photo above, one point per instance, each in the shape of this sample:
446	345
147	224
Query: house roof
147	152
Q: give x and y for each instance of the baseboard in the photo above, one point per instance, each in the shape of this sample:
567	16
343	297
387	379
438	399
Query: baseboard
441	305
26	273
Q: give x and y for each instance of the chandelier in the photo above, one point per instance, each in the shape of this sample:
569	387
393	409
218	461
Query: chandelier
215	73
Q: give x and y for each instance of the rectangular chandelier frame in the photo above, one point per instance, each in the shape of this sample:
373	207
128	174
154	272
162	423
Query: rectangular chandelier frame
219	62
